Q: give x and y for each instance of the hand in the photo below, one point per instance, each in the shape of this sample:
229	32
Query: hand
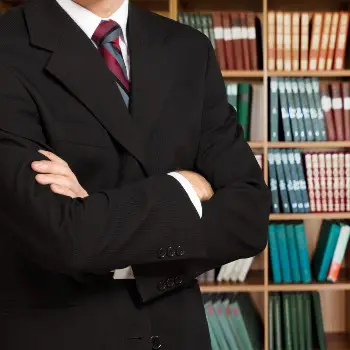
199	183
56	173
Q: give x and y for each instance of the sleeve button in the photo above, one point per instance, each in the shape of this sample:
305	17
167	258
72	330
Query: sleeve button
178	281
161	253
180	251
156	343
171	252
161	286
170	283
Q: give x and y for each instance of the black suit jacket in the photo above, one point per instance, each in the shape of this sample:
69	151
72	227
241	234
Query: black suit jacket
56	253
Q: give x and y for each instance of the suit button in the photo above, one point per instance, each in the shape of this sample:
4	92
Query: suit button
178	280
161	286
170	282
161	253
156	343
171	252
180	251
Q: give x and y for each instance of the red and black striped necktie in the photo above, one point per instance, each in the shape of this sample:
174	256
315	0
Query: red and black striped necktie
106	38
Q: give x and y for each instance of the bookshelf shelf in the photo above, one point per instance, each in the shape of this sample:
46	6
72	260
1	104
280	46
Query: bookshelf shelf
221	288
256	144
308	287
313	145
308	216
242	74
319	74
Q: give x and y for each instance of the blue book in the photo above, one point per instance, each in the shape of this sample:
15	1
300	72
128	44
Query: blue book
293	255
283	250
274	254
325	250
303	253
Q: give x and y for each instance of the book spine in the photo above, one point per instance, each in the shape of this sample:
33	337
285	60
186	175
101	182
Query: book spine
298	110
273	183
287	323
228	40
347	181
346	106
287	41
323	182
274	117
339	253
315	40
237	40
295	40
330	182
279	41
289	181
219	39
209	21
306	110
336	189
303	253
282	183
293	255
317	185
284	110
337	105
342	38
296	181
342	187
205	26
245	269
244	28
321	120
274	254
302	180
304	42
292	110
326	103
271	43
252	40
332	40
310	182
325	41
313	110
283	248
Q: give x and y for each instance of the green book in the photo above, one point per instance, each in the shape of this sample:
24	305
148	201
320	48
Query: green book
271	330
301	322
316	91
273	182
213	340
198	21
287	323
294	319
209	24
305	109
292	111
186	18
244	107
289	181
232	91
313	110
284	110
181	18
302	180
320	339
274	115
308	321
298	110
277	321
204	25
192	20
296	181
281	182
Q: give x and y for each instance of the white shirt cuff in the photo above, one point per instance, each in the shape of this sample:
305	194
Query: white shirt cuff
187	186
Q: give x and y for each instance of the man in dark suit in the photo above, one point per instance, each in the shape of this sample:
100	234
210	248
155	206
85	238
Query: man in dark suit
124	176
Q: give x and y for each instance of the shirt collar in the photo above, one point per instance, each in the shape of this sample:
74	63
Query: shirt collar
89	22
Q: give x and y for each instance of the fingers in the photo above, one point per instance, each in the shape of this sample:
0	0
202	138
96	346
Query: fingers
48	179
62	191
52	167
53	157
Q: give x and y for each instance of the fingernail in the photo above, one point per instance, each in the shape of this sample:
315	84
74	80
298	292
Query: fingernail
39	165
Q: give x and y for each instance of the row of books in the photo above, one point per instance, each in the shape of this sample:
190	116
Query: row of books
234	321
235	271
328	181
247	100
297	104
293	46
296	321
287	182
232	34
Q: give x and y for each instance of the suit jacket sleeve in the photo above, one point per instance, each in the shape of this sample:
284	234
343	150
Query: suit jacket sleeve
235	221
107	230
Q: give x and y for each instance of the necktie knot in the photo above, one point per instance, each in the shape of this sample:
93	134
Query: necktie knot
107	32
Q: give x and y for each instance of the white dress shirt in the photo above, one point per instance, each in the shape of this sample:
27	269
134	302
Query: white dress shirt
88	23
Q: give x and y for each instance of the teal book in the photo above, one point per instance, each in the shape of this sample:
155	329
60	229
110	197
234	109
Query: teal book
282	182
293	255
306	110
244	108
274	254
213	340
313	110
273	181
232	91
284	110
283	250
298	110
325	250
274	108
303	253
289	181
295	180
292	111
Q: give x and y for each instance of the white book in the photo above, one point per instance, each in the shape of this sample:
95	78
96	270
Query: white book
237	269
339	253
221	273
245	269
229	269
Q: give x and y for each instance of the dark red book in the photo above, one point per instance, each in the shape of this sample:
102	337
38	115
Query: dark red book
228	40
252	41
337	105
219	39
237	40
346	109
328	112
244	28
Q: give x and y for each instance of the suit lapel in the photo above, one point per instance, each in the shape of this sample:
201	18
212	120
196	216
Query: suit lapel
77	65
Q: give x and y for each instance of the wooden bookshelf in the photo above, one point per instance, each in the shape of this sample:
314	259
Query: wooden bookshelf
318	74
310	216
242	74
310	145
